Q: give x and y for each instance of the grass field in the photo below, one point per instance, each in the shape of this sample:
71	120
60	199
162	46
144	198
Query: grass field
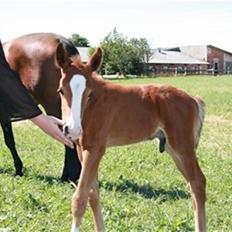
141	189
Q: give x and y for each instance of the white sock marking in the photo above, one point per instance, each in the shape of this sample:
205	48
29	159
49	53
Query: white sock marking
74	228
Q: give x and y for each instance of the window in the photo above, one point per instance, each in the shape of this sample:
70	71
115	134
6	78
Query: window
165	68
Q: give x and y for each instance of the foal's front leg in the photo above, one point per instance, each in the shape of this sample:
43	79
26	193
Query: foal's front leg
88	176
94	201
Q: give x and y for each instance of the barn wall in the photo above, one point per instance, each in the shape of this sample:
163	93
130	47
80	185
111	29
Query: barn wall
215	57
177	69
227	63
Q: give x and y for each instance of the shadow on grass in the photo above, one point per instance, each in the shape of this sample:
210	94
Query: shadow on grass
123	186
9	171
146	191
50	180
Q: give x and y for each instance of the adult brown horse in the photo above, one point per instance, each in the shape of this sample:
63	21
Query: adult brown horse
33	57
103	114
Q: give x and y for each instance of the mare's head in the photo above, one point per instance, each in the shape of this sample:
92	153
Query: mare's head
72	86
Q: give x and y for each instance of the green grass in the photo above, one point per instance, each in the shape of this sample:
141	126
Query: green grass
141	189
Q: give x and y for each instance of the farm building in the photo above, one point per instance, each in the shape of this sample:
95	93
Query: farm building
199	59
202	59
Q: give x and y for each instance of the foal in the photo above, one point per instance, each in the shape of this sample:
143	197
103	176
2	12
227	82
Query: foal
103	114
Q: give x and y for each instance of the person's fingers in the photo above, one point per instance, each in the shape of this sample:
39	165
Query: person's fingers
59	134
69	143
57	121
66	141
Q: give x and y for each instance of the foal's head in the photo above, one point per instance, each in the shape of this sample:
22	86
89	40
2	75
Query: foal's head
72	87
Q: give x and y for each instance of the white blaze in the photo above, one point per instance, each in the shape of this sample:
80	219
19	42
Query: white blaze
77	84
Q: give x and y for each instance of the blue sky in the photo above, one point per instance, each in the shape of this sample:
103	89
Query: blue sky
163	23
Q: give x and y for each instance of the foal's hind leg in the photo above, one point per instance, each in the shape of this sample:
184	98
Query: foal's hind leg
183	153
10	143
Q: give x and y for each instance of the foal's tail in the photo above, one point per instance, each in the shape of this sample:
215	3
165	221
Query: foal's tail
199	119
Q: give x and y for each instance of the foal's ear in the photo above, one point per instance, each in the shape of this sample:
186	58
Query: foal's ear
62	58
96	59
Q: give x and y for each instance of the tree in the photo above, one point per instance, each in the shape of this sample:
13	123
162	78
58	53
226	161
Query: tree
142	52
115	52
122	55
143	49
79	41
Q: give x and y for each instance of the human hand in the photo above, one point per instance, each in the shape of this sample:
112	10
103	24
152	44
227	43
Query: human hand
50	125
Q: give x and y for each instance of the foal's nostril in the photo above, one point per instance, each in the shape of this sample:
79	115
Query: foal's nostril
65	128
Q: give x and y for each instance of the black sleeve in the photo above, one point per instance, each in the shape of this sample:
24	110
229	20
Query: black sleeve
15	101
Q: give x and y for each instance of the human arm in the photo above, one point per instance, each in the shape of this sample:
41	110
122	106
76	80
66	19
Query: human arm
16	103
49	125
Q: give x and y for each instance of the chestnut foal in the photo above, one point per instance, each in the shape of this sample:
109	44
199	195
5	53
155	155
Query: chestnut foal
103	114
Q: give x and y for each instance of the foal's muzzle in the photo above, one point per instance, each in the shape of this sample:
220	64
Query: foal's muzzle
71	132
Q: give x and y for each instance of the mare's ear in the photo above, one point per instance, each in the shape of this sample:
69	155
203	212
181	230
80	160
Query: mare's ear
62	58
96	59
